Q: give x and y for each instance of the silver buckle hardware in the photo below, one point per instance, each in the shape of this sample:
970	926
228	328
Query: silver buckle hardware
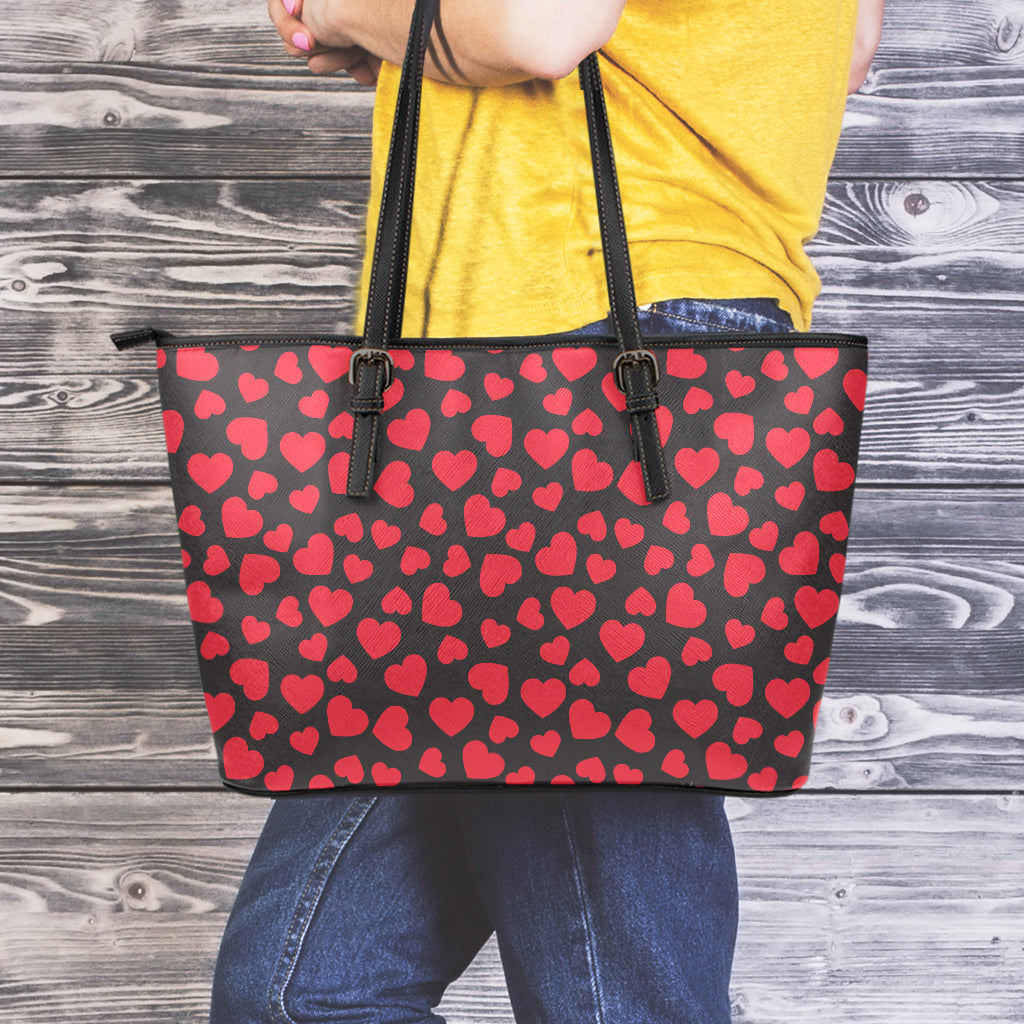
369	355
634	355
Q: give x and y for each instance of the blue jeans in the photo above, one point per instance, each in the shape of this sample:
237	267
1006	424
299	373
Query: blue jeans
616	906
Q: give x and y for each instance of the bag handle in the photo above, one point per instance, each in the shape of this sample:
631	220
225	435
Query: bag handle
371	370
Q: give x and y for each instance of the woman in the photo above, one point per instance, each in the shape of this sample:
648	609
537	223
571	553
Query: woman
608	905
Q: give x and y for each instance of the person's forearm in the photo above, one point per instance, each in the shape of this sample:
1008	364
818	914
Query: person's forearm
479	42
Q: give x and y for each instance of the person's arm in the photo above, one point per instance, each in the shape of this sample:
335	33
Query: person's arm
866	39
476	42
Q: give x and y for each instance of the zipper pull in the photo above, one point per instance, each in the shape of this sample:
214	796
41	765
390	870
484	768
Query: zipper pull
130	339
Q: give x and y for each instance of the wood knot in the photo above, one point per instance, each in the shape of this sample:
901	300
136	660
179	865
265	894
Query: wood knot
111	118
19	286
916	204
1007	34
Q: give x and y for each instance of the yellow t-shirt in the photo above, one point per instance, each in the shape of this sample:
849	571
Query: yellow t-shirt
725	115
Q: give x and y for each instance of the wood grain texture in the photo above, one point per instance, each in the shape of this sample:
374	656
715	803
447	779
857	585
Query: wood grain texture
883	909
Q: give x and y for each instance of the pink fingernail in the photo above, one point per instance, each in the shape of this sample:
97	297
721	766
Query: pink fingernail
301	40
289	6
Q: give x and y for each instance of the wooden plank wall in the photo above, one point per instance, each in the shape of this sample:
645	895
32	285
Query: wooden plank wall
164	161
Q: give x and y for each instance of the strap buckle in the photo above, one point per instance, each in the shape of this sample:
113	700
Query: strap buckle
370	355
634	355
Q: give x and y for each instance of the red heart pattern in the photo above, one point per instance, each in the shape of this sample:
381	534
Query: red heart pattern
347	642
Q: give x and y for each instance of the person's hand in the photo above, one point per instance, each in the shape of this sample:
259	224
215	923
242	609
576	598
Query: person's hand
324	49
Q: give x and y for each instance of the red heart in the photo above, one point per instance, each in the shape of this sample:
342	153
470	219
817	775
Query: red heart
314	648
390	728
652	679
584	673
658	558
574	362
210	471
491	680
280	780
548	497
239	761
724	518
252	675
330	362
835	525
741	572
305	742
801	559
800	401
502	728
774	365
256	571
787	698
174	427
697	467
216	561
684	362
209	404
438	608
505	480
341	670
788	447
697	400
587	422
239	520
675	518
559	403
433	520
262	725
572	607
522	538
317	558
384	534
197	364
546	447
287	368
695	718
481	763
396	602
251	388
722	763
747	479
830	474
414	559
302	692
482	519
213	646
410	432
498	572
202	605
556	652
589	474
774	613
855	384
800	650
451	716
837	566
683	609
735	681
495	432
765	537
628	533
791	744
349	526
440	364
530	614
305	500
592	525
393	484
542	697
349	768
737	428
746	729
337	472
739	384
701	560
634	731
455	402
303	451
315	404
816	361
663	417
764	780
329	606
403	358
600	569
739	634
498	387
674	764
454	469
816	607
559	557
451	649
791	496
219	709
254	630
819	676
585	723
378	638
828	421
343	719
494	634
384	775
621	641
592	769
640	602
532	368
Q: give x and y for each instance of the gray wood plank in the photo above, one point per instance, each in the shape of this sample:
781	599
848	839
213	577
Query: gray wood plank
881	909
